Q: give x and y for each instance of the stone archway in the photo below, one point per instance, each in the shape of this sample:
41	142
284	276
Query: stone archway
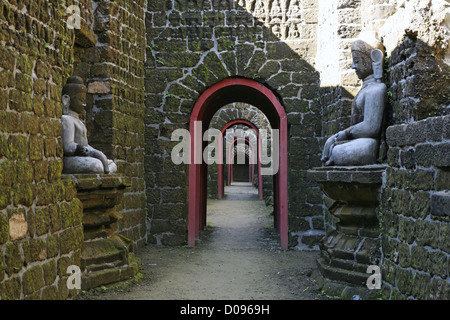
221	167
218	95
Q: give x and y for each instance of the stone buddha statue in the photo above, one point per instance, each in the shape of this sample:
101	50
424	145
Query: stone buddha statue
79	156
359	144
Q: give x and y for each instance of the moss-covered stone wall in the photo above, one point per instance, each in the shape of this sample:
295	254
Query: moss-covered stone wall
40	216
113	68
40	220
414	212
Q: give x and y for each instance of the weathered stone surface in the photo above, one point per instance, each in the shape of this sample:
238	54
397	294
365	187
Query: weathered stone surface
108	261
11	289
79	156
353	182
347	251
440	204
99	87
101	250
18	226
33	279
342	275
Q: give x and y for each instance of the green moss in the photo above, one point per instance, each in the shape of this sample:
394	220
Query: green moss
66	215
42	221
33	279
17	147
52	246
76	207
55	170
4	230
13	258
24	172
49	269
23	194
78	237
67	240
202	72
7	173
10	289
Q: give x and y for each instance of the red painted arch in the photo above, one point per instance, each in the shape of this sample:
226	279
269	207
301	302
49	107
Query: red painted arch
215	97
220	179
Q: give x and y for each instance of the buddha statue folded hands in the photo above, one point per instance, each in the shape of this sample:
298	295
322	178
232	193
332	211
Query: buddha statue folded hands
79	156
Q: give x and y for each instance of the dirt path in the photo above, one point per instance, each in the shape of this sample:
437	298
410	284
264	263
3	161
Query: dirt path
237	257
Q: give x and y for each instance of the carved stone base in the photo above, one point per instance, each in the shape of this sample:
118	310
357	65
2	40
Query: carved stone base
106	257
348	251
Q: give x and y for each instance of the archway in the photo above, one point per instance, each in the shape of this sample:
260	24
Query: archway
232	163
221	177
218	95
240	172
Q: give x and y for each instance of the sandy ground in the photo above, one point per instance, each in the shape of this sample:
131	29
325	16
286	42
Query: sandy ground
237	257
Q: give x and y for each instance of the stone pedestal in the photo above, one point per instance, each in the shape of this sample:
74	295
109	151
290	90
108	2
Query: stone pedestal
347	251
106	257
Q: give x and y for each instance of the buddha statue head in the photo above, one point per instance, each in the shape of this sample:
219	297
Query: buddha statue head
367	55
74	95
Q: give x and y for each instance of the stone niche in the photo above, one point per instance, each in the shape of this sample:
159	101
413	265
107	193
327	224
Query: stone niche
106	257
348	251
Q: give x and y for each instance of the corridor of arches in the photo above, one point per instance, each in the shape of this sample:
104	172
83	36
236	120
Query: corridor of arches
221	94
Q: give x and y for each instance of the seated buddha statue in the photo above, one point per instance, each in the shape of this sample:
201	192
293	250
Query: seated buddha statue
79	156
359	143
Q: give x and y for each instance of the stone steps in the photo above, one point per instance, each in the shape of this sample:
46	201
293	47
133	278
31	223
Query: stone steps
108	276
340	274
107	260
104	266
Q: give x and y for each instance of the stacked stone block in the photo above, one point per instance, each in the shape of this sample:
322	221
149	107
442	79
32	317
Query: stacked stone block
336	100
415	217
418	82
40	220
413	210
113	67
146	63
375	12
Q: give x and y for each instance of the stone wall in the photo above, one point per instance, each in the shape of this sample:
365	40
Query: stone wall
112	64
415	213
192	45
418	82
415	217
40	220
40	217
